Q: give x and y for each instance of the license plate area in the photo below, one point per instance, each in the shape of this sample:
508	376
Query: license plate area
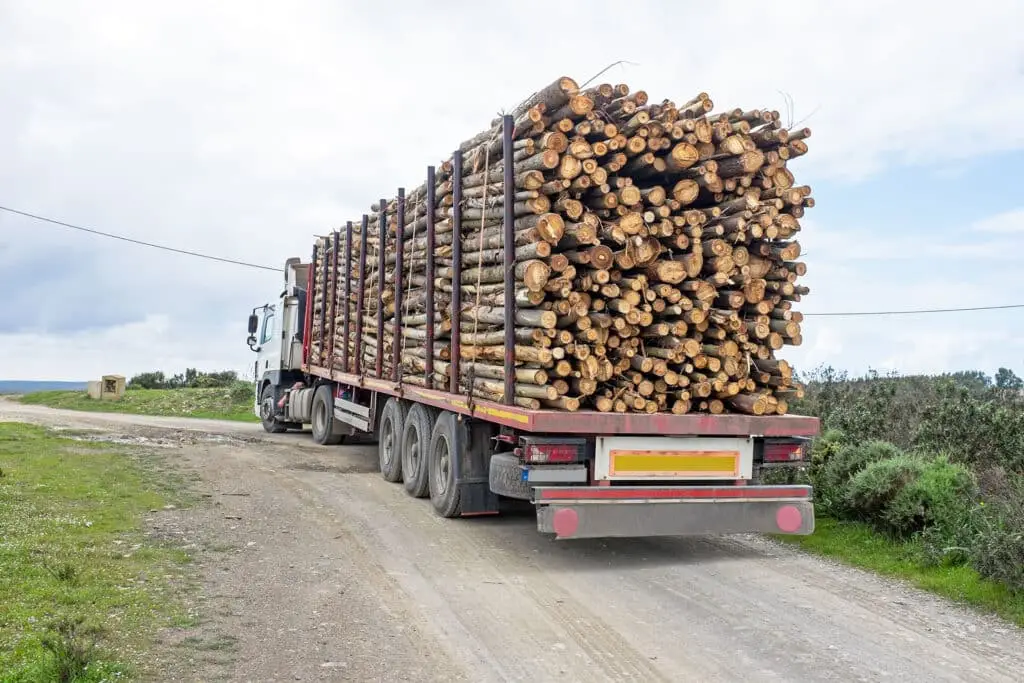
677	458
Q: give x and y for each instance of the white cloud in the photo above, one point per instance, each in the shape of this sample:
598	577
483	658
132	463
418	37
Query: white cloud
241	129
1008	222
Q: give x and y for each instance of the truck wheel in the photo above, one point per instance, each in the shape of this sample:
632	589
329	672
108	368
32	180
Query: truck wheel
447	448
323	417
389	436
415	445
270	423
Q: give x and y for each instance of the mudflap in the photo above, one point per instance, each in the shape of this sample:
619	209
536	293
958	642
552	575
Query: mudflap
472	471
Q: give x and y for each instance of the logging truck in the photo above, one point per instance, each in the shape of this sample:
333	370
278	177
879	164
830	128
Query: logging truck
588	473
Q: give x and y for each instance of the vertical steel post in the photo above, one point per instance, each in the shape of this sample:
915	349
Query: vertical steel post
334	298
307	315
396	358
456	359
510	262
361	286
381	244
345	335
323	303
431	246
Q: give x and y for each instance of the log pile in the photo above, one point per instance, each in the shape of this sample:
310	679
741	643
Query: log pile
656	260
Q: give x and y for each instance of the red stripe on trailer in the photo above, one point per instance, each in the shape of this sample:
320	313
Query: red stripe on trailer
694	492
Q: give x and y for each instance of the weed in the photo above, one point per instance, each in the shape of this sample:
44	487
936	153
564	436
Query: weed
63	570
72	644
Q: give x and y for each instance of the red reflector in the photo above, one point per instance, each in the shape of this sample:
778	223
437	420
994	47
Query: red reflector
550	452
783	452
788	518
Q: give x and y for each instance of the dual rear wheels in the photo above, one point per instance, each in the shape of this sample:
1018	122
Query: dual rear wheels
421	447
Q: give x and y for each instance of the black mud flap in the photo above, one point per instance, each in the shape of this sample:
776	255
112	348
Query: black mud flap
471	472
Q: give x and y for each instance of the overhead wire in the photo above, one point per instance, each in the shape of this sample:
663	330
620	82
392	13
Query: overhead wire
186	252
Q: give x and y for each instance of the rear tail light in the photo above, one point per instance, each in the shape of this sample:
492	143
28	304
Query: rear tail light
786	451
539	452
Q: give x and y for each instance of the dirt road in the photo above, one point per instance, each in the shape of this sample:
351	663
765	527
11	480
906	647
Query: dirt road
314	568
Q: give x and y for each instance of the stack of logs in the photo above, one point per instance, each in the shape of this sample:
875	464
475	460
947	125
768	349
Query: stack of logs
655	260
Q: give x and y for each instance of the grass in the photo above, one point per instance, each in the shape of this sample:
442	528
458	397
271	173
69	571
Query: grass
861	546
83	590
229	403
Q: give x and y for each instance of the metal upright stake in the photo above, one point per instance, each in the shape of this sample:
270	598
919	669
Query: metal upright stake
348	297
431	198
361	286
510	261
333	317
456	270
396	344
323	303
381	244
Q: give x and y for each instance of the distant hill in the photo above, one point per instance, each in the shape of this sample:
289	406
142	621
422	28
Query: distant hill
15	386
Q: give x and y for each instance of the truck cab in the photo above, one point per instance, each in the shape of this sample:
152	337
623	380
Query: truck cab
276	332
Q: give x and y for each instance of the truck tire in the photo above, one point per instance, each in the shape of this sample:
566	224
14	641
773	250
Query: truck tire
447	449
506	477
270	423
324	432
389	438
416	432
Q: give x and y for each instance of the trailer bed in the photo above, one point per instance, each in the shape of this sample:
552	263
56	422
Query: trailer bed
584	422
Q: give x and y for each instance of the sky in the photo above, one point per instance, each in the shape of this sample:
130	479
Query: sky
243	129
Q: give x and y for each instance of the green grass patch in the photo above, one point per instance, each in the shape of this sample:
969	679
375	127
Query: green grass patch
83	589
227	403
859	545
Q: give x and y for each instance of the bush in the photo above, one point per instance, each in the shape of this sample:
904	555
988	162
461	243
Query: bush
821	452
981	431
242	392
871	491
940	498
843	465
997	548
192	378
148	380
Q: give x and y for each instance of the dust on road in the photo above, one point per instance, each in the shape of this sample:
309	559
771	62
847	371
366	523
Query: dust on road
315	568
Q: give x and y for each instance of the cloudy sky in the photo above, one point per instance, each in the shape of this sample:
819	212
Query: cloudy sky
241	129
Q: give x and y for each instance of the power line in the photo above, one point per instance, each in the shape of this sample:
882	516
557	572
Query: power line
186	252
916	311
844	314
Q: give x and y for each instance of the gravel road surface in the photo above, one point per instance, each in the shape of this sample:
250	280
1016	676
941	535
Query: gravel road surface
315	568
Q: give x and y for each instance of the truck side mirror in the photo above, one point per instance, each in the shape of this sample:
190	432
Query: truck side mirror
254	322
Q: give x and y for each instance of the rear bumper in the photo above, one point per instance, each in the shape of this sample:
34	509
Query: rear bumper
609	511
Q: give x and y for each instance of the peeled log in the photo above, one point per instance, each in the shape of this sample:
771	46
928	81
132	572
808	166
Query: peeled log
496	316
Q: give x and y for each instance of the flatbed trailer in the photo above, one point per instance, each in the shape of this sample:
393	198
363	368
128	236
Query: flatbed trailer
589	474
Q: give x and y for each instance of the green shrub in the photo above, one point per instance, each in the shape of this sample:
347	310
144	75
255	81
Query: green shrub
984	431
997	548
870	492
843	465
821	451
241	392
939	499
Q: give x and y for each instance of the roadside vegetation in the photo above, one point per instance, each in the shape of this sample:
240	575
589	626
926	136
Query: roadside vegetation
83	589
214	395
922	477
